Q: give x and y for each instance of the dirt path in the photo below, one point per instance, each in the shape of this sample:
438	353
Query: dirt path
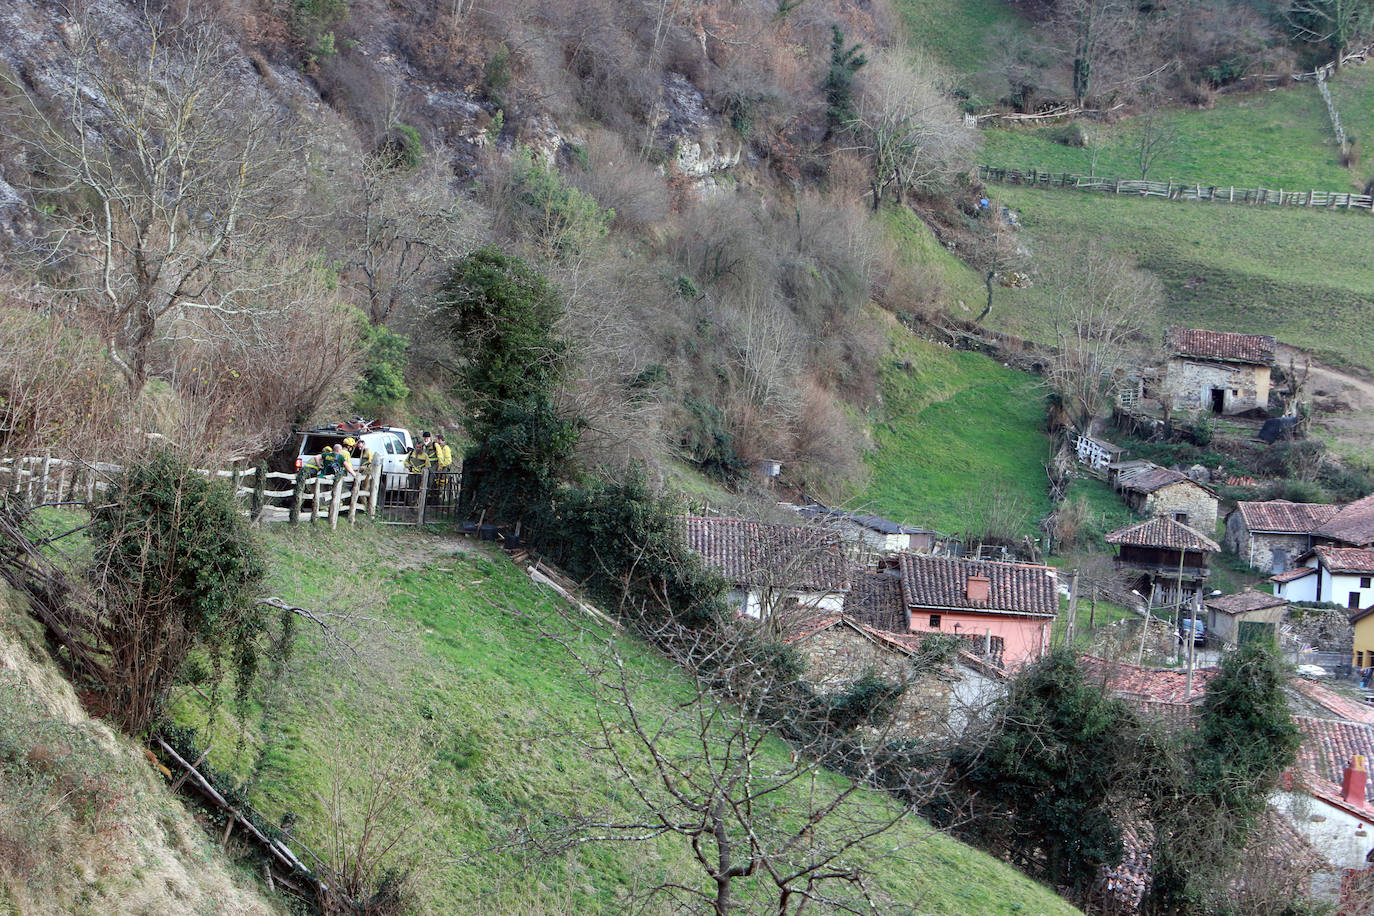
1343	406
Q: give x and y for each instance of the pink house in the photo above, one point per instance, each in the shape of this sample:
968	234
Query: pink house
1013	604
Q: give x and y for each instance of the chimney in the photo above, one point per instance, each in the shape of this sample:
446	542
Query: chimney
1356	775
978	588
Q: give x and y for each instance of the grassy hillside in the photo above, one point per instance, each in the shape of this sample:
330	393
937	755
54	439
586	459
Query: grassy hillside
87	827
959	32
458	682
1303	276
1273	139
958	432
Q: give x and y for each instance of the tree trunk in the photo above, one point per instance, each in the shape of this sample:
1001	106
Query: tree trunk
987	309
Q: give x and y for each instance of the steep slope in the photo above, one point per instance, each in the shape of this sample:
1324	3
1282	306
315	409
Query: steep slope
458	678
86	825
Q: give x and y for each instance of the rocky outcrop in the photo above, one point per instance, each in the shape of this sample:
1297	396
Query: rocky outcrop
699	142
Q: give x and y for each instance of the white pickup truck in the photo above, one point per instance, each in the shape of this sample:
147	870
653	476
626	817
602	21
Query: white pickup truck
388	444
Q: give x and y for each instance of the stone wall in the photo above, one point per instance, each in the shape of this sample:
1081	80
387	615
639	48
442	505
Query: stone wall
1188	385
1271	553
838	656
1199	505
1325	629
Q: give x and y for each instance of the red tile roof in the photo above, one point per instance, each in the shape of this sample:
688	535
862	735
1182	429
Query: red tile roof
796	557
1015	588
1352	524
875	599
1244	602
1163	532
1328	746
1292	575
1346	559
1279	516
1156	478
1338	704
1221	346
1165	687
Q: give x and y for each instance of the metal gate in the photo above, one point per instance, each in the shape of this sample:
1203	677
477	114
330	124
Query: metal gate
422	498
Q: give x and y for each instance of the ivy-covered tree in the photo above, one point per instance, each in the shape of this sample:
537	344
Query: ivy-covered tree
176	570
1244	741
501	314
1043	786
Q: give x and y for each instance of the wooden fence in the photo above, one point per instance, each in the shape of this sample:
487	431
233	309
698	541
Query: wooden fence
1177	190
291	498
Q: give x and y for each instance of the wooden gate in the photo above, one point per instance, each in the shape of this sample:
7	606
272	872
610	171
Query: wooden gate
422	498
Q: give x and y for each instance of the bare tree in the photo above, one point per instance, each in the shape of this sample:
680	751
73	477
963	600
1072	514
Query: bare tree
1334	23
1102	305
160	181
909	126
769	828
1156	134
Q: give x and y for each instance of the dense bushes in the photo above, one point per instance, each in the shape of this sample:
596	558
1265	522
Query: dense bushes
178	570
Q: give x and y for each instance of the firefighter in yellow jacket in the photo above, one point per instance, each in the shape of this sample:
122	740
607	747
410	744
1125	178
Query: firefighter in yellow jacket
444	454
423	454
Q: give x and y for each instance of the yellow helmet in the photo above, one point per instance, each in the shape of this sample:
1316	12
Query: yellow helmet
350	442
327	448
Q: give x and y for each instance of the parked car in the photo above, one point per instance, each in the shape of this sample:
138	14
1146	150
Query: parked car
1199	630
389	444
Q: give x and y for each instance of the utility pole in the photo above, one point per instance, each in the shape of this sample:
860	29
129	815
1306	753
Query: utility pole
1073	609
1192	642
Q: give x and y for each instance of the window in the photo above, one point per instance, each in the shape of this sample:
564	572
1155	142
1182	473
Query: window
1181	517
1359	659
1364	581
935	621
1353	602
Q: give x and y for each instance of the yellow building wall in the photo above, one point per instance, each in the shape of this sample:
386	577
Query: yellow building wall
1364	643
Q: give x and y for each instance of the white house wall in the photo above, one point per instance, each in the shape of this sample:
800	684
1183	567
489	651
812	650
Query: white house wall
1341	837
1304	589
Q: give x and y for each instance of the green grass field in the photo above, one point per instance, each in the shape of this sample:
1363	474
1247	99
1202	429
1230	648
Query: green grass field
961	33
459	676
958	431
1303	276
1272	139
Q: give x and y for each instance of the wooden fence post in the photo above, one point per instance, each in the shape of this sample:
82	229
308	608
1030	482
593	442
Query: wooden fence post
376	490
43	479
424	493
259	486
297	495
315	499
357	493
335	497
90	484
61	481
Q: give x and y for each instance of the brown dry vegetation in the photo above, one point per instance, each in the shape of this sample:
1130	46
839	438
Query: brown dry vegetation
86	825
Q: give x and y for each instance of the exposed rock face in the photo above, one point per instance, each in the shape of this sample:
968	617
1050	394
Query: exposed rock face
695	136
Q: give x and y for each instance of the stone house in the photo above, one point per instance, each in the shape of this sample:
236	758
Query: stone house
772	568
1216	371
838	650
982	600
1165	556
1153	491
1272	534
1226	614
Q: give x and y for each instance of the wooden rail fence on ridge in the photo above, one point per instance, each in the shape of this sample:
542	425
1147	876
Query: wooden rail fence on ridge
50	480
1177	190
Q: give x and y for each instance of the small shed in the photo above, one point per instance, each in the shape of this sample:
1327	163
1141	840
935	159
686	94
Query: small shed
1161	492
1227	613
1218	372
1097	454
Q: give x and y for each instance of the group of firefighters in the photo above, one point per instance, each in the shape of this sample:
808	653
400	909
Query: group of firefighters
430	452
